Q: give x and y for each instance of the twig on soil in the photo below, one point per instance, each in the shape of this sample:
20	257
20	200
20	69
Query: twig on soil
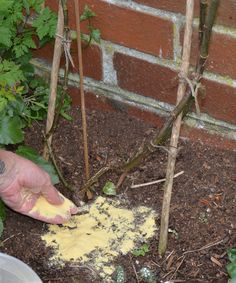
135	271
95	177
178	267
52	157
121	179
7	239
155	182
94	272
205	247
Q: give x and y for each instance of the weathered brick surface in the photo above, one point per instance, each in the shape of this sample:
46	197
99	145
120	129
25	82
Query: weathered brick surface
127	27
92	59
222	54
226	13
93	102
220	101
213	140
152	80
144	78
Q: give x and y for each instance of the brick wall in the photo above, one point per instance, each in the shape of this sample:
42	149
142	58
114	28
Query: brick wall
136	66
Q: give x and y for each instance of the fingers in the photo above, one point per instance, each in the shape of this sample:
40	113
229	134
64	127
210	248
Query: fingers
58	219
52	195
50	213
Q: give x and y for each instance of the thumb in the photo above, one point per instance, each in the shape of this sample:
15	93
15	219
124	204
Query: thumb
52	195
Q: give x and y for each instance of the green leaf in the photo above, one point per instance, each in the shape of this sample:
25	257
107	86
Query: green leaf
23	44
36	5
120	274
3	103
26	6
233	280
66	116
141	251
32	155
96	35
2	210
45	23
232	254
1	227
231	268
87	14
109	189
10	73
6	36
11	130
5	5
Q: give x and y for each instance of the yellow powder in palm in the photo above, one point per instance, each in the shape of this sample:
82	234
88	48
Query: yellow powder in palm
97	237
46	209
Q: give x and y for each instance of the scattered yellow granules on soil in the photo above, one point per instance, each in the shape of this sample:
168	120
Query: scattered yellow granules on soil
103	233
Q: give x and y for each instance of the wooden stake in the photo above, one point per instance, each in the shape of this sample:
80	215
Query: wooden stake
176	129
54	77
83	110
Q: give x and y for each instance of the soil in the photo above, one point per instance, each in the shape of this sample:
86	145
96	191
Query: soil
203	207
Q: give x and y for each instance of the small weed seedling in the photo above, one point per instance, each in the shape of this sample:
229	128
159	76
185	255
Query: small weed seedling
231	267
141	251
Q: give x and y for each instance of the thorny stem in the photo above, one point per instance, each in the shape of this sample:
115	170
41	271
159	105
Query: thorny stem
204	48
202	19
183	106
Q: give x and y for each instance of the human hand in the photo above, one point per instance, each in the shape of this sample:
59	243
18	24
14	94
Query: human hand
27	189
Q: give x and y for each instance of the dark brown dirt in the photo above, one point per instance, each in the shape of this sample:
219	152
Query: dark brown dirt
202	212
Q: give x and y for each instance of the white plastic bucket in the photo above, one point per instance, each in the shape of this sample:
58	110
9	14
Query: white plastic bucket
12	270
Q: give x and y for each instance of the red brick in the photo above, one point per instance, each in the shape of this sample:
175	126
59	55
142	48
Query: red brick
212	140
145	78
222	54
127	27
92	59
158	82
103	104
226	12
220	101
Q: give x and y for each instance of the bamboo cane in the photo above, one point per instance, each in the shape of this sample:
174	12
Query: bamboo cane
176	129
183	107
54	77
83	110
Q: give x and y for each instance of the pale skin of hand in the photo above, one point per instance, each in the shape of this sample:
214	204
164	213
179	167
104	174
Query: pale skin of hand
22	182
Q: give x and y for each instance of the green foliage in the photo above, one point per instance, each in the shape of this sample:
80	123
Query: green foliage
2	216
32	155
23	97
147	275
94	34
231	267
2	210
11	130
120	274
10	74
141	251
45	24
109	189
18	104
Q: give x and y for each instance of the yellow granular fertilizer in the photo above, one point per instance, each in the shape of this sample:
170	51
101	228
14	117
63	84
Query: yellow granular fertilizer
47	210
106	231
